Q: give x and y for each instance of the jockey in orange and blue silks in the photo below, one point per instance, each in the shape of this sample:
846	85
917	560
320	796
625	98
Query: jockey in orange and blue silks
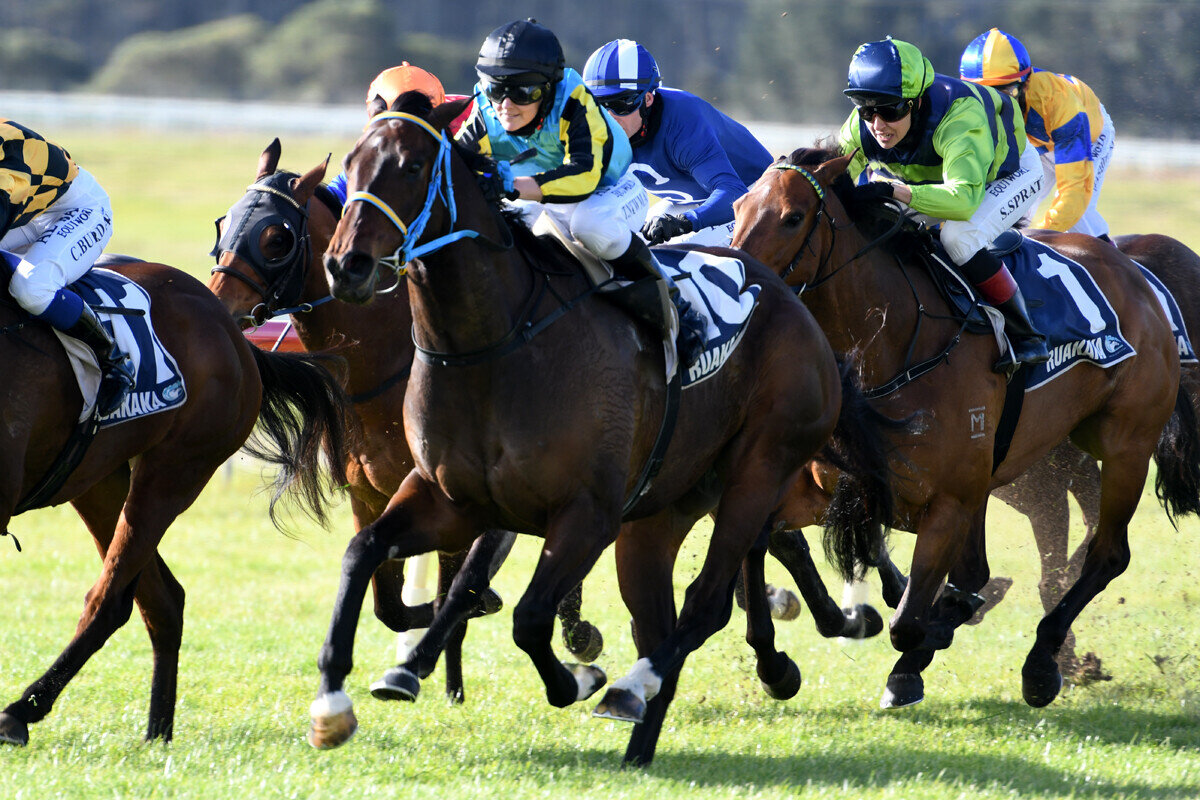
956	154
54	223
1065	122
558	152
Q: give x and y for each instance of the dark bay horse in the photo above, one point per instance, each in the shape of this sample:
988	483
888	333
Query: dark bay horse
271	265
535	406
138	476
875	303
1041	493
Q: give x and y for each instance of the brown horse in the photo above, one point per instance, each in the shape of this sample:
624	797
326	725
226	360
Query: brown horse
876	303
269	264
536	405
1041	493
138	476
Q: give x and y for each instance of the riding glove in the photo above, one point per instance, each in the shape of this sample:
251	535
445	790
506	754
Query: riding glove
668	226
871	192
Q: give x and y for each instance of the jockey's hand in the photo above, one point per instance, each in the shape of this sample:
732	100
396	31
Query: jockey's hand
497	184
668	226
872	192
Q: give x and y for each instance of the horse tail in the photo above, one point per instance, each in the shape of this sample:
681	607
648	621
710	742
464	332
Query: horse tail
304	411
1177	457
862	507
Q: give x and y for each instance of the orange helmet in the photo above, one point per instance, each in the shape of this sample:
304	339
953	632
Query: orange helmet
395	81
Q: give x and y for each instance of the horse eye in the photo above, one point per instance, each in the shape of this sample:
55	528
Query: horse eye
415	166
793	220
276	242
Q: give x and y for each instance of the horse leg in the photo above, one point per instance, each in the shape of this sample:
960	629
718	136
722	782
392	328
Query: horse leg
418	520
581	638
575	537
461	598
156	497
791	549
1122	478
449	565
645	555
779	674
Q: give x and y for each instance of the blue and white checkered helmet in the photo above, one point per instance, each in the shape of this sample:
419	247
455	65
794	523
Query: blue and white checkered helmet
621	67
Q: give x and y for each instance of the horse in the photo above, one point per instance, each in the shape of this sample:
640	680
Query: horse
878	304
537	405
1041	493
270	266
138	475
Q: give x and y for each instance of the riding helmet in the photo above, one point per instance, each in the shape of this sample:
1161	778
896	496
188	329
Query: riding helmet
995	58
521	52
888	71
621	67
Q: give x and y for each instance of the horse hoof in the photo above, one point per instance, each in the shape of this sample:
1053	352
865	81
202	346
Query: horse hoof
332	721
584	641
13	731
903	689
621	705
862	622
1040	683
490	602
397	683
785	606
786	687
588	678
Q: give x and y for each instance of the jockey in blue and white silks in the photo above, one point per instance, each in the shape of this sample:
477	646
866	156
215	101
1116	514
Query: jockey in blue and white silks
697	160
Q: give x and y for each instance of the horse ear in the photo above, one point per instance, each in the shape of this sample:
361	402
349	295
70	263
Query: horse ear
304	186
834	167
268	162
443	115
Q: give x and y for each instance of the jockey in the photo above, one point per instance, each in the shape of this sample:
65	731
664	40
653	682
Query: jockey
383	91
685	151
1063	119
574	158
955	153
54	223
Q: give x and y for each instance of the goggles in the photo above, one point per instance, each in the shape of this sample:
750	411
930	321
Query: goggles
622	104
893	112
522	95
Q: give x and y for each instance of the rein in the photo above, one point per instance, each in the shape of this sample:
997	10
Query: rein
911	371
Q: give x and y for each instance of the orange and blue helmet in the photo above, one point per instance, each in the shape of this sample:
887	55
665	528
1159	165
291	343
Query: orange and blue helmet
888	70
995	58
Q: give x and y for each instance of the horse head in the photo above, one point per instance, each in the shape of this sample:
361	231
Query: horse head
398	191
780	219
265	243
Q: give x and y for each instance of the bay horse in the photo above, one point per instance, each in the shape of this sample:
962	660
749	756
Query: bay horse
535	405
137	476
878	304
269	265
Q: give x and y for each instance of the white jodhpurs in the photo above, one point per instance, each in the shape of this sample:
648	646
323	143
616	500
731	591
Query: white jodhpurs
605	222
59	245
1005	202
712	236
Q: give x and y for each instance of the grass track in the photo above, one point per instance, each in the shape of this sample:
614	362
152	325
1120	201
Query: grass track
259	603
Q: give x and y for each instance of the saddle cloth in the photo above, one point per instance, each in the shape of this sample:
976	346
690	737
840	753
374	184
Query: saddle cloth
714	285
1171	308
159	384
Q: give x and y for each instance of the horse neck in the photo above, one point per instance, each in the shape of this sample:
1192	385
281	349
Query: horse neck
861	296
375	339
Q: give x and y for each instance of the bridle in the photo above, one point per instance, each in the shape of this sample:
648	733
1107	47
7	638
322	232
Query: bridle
440	188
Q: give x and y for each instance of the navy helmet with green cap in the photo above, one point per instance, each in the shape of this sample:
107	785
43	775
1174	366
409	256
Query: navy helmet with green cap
887	72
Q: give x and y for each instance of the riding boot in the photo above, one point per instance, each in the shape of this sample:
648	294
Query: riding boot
692	328
1029	345
116	368
988	273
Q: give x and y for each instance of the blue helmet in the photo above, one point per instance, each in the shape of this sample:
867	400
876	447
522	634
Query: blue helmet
621	67
888	71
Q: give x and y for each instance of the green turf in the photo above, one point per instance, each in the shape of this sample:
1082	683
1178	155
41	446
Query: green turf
259	603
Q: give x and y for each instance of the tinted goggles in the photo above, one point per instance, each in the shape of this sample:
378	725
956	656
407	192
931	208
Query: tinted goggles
888	113
622	104
524	95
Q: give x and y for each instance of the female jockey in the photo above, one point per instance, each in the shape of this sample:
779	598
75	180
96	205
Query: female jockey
955	153
526	100
1063	119
54	223
684	150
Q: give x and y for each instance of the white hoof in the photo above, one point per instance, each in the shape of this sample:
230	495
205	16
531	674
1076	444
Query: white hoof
332	721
